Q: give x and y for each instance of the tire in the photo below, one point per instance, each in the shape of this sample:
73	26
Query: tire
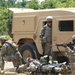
28	50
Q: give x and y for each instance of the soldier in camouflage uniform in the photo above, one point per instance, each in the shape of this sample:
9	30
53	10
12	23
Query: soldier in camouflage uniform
10	53
71	53
46	36
72	60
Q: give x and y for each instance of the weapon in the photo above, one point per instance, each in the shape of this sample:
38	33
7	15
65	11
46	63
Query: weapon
65	44
71	51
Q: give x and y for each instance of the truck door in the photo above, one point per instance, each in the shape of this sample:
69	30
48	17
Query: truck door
63	29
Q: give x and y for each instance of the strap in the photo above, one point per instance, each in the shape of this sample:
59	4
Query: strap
10	45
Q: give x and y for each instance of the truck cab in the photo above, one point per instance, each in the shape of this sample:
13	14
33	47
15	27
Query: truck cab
27	23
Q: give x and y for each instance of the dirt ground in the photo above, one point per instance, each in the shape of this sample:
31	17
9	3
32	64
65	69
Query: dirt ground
9	69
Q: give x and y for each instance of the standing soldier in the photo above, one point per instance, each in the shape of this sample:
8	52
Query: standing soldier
46	37
10	53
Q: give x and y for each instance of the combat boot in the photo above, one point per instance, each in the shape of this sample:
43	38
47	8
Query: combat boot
17	69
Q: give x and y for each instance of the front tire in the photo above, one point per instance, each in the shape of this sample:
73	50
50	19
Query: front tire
28	50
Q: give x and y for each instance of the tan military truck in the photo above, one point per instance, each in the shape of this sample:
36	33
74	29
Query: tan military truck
27	23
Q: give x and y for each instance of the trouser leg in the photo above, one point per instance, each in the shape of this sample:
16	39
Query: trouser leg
54	57
49	51
2	66
15	63
43	47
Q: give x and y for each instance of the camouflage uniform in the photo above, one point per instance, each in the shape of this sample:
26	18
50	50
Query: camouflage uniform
71	53
46	38
10	53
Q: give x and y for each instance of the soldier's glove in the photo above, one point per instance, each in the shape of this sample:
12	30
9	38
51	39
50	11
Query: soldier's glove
44	39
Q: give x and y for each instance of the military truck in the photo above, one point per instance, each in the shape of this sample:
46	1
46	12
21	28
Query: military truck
27	23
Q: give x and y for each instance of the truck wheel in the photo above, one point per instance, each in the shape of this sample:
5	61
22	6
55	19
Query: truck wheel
27	50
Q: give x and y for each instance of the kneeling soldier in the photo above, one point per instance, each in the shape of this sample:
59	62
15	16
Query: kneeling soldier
9	53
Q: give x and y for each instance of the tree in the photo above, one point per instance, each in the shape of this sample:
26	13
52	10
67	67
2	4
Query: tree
47	4
3	21
7	3
70	3
60	4
23	3
11	3
65	3
34	4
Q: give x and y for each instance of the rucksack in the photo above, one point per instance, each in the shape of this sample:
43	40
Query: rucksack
12	44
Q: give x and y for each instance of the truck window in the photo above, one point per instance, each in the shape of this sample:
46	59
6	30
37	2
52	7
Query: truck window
66	25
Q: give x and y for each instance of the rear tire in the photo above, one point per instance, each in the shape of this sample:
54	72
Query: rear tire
28	50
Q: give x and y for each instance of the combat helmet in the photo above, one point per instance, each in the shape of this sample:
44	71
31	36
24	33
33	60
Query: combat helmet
3	38
73	37
49	18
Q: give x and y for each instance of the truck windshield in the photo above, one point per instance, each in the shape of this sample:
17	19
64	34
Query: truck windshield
66	25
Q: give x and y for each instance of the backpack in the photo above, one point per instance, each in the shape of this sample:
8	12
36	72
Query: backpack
12	44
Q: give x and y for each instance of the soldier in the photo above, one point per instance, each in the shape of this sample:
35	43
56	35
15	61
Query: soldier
46	37
70	47
73	39
9	53
71	51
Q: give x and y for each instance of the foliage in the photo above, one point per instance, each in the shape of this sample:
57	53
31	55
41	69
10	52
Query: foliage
33	4
3	21
47	4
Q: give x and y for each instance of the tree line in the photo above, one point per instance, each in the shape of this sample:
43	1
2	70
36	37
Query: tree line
6	22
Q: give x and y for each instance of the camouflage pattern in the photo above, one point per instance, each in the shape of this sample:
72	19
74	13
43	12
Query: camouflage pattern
9	53
72	59
46	37
1	63
46	34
